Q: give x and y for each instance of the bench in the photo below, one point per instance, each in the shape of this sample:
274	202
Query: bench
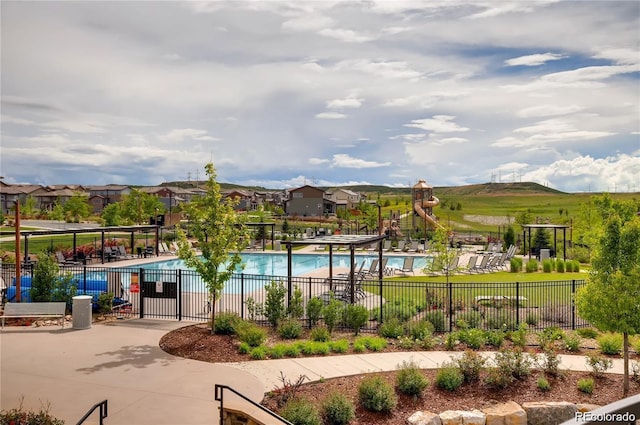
37	309
499	298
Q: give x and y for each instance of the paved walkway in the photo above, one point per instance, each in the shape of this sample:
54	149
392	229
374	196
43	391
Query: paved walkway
73	369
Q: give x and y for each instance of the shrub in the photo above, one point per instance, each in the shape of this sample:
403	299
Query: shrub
339	346
560	266
514	362
495	338
498	378
105	302
470	364
610	343
20	416
550	363
410	380
543	384
557	313
406	342
469	319
292	350
244	348
451	340
258	353
320	334
332	313
589	333
372	343
300	411
290	329
516	264
576	266
356	316
419	329
598	364
392	328
251	334
532	266
549	336
296	304
226	323
568	266
531	319
274	308
428	342
501	319
314	348
449	377
474	338
278	351
586	385
376	395
519	336
314	310
337	410
572	343
436	318
547	266
359	347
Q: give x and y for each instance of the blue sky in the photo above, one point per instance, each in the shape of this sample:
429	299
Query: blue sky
281	94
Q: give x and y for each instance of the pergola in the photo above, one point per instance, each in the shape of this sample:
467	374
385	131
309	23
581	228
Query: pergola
527	232
260	224
102	230
351	241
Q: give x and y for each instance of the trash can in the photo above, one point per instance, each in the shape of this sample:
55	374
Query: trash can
81	312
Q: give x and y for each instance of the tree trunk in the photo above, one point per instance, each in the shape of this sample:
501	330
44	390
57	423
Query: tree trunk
213	313
625	350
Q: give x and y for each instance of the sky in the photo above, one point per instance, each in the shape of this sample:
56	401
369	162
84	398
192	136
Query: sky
281	94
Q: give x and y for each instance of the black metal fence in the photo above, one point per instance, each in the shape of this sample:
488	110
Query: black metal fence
183	295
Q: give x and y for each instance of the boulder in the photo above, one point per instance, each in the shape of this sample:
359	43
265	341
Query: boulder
509	413
587	407
462	417
424	418
549	412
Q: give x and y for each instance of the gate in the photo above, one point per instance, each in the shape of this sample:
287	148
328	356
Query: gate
160	294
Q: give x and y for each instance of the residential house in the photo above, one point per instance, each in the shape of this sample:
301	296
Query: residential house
101	196
345	199
10	193
309	201
48	197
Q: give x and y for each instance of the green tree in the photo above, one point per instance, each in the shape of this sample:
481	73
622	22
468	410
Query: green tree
77	207
611	298
541	239
509	236
112	215
138	206
221	234
49	285
57	213
523	217
28	207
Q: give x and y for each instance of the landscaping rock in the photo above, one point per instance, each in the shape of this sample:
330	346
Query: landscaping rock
462	417
549	412
586	407
509	413
424	418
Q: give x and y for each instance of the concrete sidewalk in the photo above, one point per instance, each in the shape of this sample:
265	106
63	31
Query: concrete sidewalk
71	370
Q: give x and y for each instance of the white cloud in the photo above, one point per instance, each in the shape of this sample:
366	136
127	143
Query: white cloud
330	115
345	35
347	103
346	161
181	134
437	124
318	161
534	60
307	23
548	110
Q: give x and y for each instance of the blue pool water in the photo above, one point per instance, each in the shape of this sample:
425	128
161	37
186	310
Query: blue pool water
276	264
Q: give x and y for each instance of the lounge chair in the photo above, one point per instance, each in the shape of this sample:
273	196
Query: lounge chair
122	252
407	266
470	265
413	247
482	266
373	269
400	247
386	246
65	261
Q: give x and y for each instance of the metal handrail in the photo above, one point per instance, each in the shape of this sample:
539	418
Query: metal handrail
219	397
103	412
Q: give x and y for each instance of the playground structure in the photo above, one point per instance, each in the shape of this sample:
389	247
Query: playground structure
423	203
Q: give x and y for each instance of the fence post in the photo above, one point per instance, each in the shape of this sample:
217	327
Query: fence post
141	283
517	304
242	295
450	289
381	300
573	304
84	277
179	276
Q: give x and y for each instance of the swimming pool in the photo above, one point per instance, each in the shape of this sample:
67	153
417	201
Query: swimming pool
276	264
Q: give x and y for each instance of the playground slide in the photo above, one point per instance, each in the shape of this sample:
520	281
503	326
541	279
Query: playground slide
427	203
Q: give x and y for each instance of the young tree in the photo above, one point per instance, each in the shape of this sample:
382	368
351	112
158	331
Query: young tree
611	298
77	207
221	234
112	215
138	206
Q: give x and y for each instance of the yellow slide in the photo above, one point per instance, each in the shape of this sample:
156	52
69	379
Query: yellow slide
427	203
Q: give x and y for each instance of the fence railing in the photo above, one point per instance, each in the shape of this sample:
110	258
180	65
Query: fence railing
219	396
182	295
102	406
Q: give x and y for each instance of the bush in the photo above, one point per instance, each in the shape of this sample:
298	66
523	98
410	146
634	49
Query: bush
470	364
320	334
310	348
449	377
244	348
105	302
292	350
19	416
274	308
356	316
572	343
278	351
392	328
337	410
290	329
543	384
576	266
474	338
532	266
258	353
560	266
588	333
437	319
251	334
495	338
514	362
300	411
501	319
332	313
410	380
226	323
516	265
418	330
610	343
586	385
498	378
519	336
376	395
296	304
549	336
598	364
314	310
550	363
339	346
568	266
547	266
469	319
372	343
